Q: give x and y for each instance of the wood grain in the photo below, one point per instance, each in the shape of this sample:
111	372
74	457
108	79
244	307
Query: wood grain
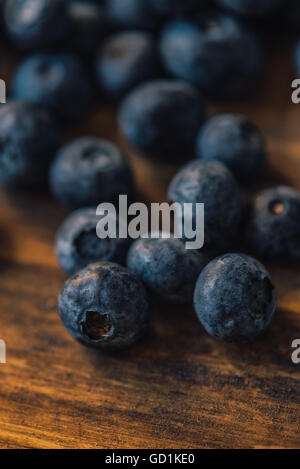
178	388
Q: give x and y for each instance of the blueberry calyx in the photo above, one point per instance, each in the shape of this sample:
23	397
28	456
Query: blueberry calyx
96	326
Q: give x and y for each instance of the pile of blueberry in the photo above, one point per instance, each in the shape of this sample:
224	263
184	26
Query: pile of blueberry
158	61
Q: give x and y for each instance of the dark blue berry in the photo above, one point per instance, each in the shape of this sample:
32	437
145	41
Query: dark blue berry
133	14
209	52
161	119
235	298
297	58
290	12
89	171
273	225
78	245
236	142
166	267
104	306
124	61
171	7
210	183
58	82
88	25
250	7
36	23
28	142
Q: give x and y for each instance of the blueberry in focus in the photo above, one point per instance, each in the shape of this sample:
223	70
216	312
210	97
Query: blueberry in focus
88	25
236	142
58	82
133	14
28	142
273	224
212	184
250	7
124	61
235	298
104	306
209	52
78	245
89	171
161	119
166	267
38	23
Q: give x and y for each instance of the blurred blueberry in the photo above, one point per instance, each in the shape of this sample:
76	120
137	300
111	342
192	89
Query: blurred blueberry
161	119
171	7
126	60
133	14
88	25
251	7
209	52
28	142
290	11
36	23
297	58
57	82
89	171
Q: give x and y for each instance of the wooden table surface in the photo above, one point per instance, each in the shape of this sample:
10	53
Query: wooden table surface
178	388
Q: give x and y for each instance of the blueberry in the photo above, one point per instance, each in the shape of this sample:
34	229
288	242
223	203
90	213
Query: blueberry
28	142
166	267
57	82
88	25
273	227
297	58
125	60
36	23
161	118
104	306
89	171
209	52
235	298
168	7
133	14
250	7
236	142
78	245
290	11
210	183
